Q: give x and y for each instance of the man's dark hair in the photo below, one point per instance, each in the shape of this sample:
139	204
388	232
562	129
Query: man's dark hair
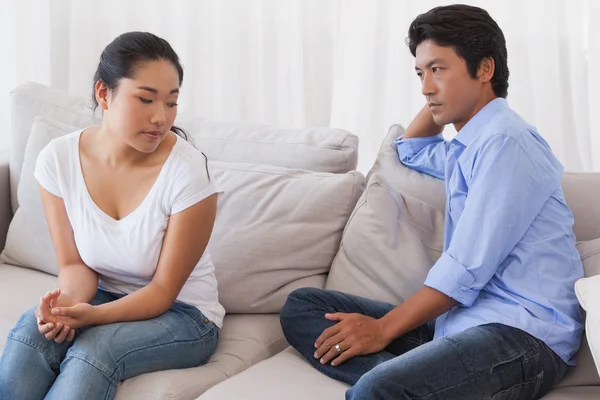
472	33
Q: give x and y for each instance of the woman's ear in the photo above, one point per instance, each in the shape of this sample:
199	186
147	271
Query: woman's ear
101	95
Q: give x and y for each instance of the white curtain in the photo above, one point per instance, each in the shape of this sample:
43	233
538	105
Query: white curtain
341	63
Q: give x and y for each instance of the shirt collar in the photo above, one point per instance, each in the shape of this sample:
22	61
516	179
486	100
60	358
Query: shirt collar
483	116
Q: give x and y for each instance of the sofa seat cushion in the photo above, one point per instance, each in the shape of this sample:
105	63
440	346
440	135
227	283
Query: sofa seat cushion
290	377
244	340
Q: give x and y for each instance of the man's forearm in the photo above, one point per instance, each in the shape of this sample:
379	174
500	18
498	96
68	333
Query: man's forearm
417	310
422	125
78	281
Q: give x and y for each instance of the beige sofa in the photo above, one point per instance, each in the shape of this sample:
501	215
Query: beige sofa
392	238
294	214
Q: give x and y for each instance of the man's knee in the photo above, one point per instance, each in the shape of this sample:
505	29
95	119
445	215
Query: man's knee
300	301
304	299
381	382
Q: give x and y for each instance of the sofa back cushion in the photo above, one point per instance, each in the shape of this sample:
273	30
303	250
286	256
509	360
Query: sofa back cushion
315	149
394	235
277	228
28	242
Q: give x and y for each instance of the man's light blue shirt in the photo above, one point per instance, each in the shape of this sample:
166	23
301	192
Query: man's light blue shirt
509	248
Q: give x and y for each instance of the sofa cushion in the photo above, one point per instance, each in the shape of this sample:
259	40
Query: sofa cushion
394	235
389	244
590	257
28	229
290	377
582	191
30	100
588	293
20	290
277	229
409	182
244	340
574	393
317	149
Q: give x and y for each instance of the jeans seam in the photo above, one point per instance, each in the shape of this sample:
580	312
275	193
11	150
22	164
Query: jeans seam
199	340
538	378
109	377
460	350
471	378
26	341
91	363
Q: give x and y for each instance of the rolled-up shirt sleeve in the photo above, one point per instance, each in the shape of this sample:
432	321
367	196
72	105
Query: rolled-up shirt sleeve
506	194
425	154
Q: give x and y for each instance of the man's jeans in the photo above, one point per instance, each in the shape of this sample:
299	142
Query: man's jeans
91	366
492	361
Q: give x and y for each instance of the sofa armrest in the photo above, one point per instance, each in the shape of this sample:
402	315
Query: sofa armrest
5	206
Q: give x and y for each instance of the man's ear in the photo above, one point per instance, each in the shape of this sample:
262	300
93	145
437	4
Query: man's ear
486	68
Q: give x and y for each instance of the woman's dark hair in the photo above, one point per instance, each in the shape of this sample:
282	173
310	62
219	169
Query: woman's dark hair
472	33
121	58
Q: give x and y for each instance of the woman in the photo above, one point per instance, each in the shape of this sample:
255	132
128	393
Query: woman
130	207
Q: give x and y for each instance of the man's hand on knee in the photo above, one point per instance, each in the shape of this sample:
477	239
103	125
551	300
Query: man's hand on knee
353	335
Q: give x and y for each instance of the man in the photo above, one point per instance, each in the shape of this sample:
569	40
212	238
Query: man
497	316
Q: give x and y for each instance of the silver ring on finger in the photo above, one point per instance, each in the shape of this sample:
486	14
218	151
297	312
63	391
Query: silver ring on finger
338	348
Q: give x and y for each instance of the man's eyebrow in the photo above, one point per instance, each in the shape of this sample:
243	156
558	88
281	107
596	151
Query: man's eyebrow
430	63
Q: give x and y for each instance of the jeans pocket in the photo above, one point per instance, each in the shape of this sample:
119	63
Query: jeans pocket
197	318
529	389
205	326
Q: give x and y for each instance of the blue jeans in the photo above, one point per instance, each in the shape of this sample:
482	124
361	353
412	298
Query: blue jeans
91	366
492	361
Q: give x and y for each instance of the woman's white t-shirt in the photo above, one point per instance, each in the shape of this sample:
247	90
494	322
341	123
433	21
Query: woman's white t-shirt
125	252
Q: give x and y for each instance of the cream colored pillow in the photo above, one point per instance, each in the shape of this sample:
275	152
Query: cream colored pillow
588	294
395	234
389	245
321	149
277	229
28	242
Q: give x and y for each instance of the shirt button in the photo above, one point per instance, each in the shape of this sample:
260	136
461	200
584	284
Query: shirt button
206	320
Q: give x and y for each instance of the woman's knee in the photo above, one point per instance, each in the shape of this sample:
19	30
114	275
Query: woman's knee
26	328
25	336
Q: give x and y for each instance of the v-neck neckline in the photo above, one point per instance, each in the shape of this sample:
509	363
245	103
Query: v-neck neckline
140	207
